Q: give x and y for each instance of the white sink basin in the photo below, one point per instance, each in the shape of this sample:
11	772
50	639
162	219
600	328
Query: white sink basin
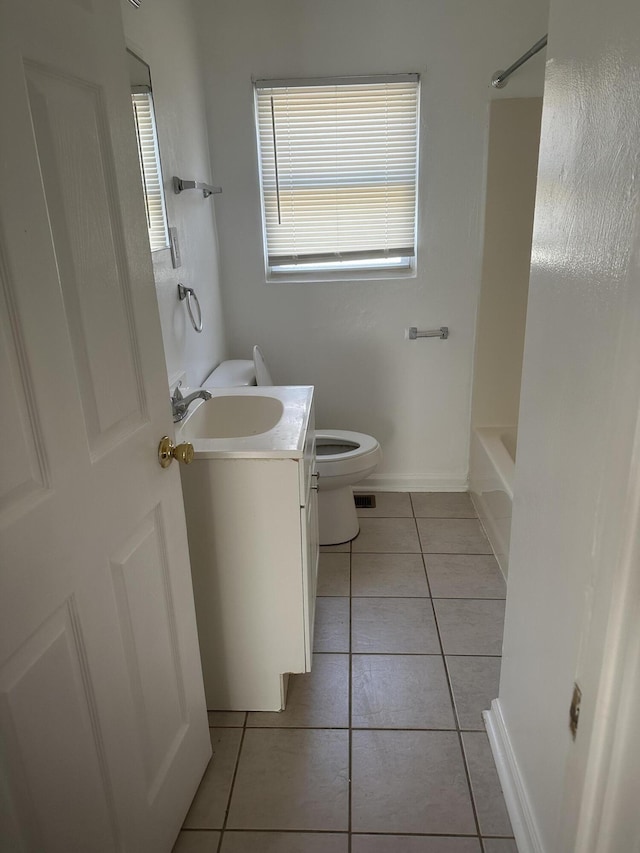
233	416
250	422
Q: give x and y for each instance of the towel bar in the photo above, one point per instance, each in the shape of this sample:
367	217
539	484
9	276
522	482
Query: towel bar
179	185
442	332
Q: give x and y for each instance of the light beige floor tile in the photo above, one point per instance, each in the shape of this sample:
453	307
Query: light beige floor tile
319	699
333	574
387	536
197	841
470	626
400	692
465	576
500	845
292	779
474	682
400	575
209	804
331	631
485	785
442	505
394	626
225	719
389	505
284	842
341	548
409	782
413	844
452	536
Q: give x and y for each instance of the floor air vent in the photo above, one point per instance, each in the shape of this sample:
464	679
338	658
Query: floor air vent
365	501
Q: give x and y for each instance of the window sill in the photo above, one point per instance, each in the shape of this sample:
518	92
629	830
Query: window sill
339	275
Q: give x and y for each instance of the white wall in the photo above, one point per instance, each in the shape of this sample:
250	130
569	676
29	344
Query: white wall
575	511
163	34
347	338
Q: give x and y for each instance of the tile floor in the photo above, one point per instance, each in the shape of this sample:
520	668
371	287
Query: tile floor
382	747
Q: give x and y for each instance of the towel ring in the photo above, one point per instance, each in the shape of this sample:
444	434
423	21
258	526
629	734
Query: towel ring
189	293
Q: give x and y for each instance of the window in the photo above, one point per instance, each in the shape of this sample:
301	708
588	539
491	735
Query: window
149	156
338	171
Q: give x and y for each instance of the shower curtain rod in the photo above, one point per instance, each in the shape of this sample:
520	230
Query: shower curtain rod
500	78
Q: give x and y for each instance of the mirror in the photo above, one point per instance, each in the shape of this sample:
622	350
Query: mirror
148	151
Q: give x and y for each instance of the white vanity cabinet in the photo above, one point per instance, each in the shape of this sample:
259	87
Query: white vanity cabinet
253	540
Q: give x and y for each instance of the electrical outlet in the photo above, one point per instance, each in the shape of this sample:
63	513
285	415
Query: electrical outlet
574	710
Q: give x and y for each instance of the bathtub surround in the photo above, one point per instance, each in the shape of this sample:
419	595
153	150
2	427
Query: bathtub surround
512	165
348	338
163	34
492	465
514	136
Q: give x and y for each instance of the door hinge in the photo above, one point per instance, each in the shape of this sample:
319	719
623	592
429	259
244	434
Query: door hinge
574	710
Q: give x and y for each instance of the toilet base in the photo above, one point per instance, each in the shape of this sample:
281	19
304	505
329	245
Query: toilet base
337	516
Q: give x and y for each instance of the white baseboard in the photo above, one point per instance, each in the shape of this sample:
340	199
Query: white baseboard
516	798
412	483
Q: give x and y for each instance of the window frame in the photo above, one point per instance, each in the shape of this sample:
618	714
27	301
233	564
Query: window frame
406	267
151	165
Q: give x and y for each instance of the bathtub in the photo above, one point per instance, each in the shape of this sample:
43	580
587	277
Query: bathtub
491	471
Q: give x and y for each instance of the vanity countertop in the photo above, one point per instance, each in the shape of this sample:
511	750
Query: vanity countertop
285	440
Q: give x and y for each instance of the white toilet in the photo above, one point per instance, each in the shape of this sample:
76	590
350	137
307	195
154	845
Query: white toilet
343	458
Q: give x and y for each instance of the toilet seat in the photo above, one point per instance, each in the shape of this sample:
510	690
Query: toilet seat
365	452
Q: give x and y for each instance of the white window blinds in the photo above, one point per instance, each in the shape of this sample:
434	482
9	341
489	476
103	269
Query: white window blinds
338	162
150	168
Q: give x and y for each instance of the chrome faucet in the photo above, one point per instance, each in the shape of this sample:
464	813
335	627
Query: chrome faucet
180	405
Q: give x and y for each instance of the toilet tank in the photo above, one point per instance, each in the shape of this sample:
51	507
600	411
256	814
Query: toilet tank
232	374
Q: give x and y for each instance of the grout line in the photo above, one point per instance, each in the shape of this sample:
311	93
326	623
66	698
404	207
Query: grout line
233	782
270	830
408	598
400	654
428	553
458	731
423	517
471	655
426	574
417	597
415	524
403	597
464	598
286	728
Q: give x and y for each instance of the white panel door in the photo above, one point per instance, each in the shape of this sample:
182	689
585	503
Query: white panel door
102	715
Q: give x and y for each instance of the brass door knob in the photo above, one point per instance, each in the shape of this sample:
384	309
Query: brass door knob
168	451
